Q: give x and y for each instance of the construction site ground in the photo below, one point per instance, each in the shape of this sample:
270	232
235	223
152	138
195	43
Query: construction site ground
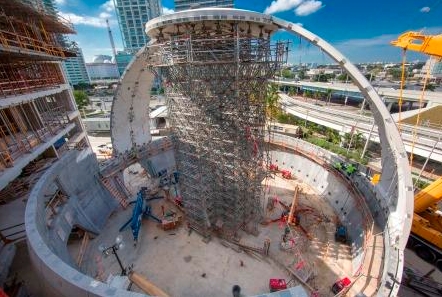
181	263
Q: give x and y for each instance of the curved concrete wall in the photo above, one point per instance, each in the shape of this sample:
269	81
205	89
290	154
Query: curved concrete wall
88	206
395	186
395	190
130	125
329	186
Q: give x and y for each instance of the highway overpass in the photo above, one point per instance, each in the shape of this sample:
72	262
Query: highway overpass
350	90
427	142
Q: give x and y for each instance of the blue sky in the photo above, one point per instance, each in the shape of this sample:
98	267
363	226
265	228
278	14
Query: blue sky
361	30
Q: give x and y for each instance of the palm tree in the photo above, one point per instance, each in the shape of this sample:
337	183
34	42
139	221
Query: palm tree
272	101
292	91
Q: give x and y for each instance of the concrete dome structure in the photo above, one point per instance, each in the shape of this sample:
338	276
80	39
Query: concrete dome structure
185	64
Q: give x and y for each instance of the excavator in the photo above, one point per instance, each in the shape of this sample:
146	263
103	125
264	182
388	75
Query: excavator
426	231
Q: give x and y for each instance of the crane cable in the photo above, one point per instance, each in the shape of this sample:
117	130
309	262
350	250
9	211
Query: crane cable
421	98
401	89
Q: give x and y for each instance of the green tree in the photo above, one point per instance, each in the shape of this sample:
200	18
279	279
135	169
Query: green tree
287	73
308	93
321	78
292	91
272	101
343	77
332	136
356	141
396	73
430	87
301	74
81	98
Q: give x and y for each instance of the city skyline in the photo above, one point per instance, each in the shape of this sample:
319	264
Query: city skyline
367	41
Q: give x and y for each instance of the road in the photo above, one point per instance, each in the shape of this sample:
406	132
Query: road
424	138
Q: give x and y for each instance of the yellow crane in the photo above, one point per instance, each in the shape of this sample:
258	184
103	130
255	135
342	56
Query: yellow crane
418	42
426	231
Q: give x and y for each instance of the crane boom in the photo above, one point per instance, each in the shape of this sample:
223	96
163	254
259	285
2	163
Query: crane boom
429	196
415	41
111	38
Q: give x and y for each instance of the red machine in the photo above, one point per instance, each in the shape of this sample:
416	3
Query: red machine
286	174
273	167
277	284
340	285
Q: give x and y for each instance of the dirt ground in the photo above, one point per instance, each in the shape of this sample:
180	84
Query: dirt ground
182	264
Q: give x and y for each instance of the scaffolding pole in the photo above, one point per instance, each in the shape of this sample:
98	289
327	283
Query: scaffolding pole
216	80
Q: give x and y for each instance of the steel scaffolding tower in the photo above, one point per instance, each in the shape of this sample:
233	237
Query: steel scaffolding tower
216	76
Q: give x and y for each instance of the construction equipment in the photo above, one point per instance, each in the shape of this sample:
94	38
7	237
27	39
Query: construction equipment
418	42
341	234
292	218
286	174
277	284
426	230
139	212
341	285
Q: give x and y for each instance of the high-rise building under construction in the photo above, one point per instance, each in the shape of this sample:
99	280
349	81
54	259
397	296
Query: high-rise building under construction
39	120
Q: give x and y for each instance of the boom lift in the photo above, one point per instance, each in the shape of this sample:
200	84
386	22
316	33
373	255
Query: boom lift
426	231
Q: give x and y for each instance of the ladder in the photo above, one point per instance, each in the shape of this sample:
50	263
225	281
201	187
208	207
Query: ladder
120	197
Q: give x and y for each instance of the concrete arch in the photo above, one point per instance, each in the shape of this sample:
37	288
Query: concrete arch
395	167
395	187
130	126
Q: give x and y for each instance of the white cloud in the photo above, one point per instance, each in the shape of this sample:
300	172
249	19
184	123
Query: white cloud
60	2
106	13
380	40
384	39
281	5
168	10
108	6
308	7
425	9
84	20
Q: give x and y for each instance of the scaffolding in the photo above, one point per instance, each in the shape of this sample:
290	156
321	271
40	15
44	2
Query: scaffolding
216	80
28	10
28	35
26	125
28	76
